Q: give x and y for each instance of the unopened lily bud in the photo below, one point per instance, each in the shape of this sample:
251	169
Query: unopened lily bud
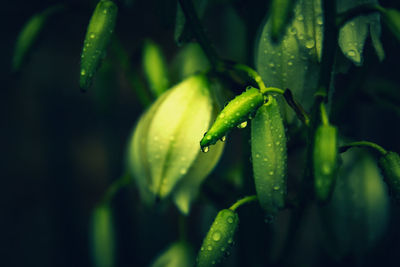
102	237
178	254
325	161
164	154
390	167
219	240
236	113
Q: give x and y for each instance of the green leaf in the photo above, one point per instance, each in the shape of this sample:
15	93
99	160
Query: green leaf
390	167
29	34
219	240
295	61
269	157
352	35
391	17
155	68
98	36
178	254
102	237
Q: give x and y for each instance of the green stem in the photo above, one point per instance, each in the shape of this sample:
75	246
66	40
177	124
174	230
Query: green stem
137	85
124	180
242	201
360	10
324	115
298	109
377	147
198	30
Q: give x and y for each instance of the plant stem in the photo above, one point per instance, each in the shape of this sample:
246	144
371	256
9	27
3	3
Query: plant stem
360	10
324	115
377	147
242	201
124	180
300	112
198	30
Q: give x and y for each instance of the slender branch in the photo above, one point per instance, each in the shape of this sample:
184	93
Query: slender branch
124	180
352	13
324	115
300	112
242	201
377	147
198	30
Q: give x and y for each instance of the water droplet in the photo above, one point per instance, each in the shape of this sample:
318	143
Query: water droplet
320	20
83	72
223	138
265	159
105	11
271	173
290	63
222	115
292	30
209	248
229	220
271	65
216	236
300	18
276	187
205	149
202	248
208	137
92	35
310	43
351	53
230	241
242	125
222	249
183	171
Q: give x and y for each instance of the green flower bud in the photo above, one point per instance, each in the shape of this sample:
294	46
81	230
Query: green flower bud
268	150
29	34
353	34
280	16
390	167
325	156
219	240
163	154
155	68
294	61
358	213
178	254
391	17
234	114
97	38
102	237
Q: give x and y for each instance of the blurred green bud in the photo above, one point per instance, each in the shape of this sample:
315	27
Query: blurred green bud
325	157
353	35
102	237
390	167
268	150
391	17
236	113
29	34
98	36
281	13
178	254
219	240
164	153
294	61
357	215
155	68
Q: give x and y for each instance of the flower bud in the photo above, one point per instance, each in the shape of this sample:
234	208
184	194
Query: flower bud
236	112
390	167
97	38
219	240
268	150
178	254
164	153
102	237
325	155
357	215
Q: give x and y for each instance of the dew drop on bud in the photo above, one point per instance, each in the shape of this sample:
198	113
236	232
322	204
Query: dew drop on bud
205	149
242	125
223	138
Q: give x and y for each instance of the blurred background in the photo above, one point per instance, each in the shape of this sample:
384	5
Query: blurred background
62	148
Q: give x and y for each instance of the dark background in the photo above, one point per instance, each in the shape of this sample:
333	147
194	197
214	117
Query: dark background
61	148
